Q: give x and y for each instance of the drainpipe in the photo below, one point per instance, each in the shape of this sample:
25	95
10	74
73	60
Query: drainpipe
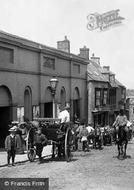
40	105
71	100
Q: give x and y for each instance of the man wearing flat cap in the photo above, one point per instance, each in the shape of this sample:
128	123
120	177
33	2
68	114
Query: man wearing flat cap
11	145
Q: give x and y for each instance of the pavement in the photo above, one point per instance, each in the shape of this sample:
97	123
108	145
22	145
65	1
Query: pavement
47	151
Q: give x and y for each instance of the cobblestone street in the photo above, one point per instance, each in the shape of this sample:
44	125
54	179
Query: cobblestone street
97	169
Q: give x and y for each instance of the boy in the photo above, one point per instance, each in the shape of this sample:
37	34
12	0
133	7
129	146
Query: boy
40	141
11	145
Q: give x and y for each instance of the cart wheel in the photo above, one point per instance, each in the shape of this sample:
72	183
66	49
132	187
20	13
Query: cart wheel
31	152
68	142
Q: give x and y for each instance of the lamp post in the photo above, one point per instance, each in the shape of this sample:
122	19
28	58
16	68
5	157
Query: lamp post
53	84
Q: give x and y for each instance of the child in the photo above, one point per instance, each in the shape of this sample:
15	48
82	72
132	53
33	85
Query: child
40	141
84	140
11	145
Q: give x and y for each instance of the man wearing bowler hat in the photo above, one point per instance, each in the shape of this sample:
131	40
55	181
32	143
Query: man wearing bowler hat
11	145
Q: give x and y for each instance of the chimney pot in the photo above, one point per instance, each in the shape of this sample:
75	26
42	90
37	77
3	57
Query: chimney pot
106	68
95	59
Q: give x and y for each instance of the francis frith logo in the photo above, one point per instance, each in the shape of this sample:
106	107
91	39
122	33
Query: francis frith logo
104	21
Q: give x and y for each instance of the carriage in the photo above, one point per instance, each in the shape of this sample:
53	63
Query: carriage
59	135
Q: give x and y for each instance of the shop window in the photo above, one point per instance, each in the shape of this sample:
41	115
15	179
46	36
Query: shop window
6	55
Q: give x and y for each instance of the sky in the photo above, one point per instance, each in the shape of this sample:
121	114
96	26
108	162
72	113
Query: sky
48	21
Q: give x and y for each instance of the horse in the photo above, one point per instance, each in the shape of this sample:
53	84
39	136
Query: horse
122	142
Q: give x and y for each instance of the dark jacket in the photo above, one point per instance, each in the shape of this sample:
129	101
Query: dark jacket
41	139
8	143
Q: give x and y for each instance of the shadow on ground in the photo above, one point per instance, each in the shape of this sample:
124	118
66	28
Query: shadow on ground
122	157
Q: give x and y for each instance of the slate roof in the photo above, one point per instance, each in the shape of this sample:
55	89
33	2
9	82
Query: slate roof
119	83
96	73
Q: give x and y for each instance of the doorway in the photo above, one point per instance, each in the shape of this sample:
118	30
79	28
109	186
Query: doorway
4	122
28	104
76	104
5	113
48	110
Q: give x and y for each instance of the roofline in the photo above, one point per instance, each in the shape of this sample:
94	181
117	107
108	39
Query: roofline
34	46
95	80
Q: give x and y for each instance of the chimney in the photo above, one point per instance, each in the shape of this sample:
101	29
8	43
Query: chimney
64	45
84	52
95	59
106	68
106	72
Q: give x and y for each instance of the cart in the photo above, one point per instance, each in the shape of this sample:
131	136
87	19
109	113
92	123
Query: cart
58	134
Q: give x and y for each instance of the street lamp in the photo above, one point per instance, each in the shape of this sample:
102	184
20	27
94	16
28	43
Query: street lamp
53	84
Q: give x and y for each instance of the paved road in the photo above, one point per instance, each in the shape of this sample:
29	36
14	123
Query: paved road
96	170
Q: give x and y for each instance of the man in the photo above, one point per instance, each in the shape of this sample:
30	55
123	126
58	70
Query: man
40	141
98	137
82	134
65	115
121	121
84	140
90	128
90	133
75	138
11	145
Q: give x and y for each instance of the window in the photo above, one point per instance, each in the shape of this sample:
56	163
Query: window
123	93
20	114
49	62
76	68
105	96
97	97
112	96
6	55
36	111
112	78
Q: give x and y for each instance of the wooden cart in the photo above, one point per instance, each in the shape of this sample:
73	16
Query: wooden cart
58	134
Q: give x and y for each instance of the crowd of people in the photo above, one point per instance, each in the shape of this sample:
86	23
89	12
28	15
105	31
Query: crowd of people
84	135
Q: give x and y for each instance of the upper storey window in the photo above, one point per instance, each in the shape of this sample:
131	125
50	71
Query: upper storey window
76	68
6	55
49	62
97	97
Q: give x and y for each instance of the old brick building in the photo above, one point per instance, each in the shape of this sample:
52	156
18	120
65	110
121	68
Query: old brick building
106	95
26	68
